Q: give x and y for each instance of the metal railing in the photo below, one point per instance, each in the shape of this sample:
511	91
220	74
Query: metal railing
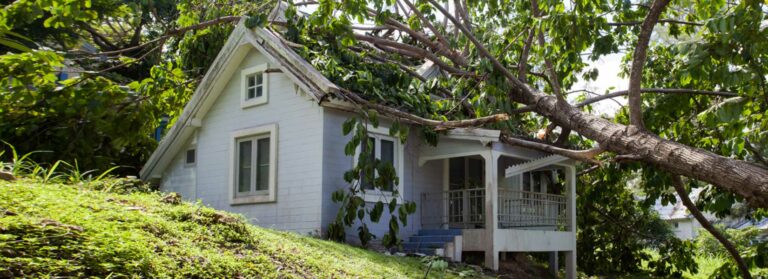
464	209
531	209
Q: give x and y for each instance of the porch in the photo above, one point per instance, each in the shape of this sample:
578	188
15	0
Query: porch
465	209
501	198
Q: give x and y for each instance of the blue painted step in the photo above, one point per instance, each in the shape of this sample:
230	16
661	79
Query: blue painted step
431	238
427	241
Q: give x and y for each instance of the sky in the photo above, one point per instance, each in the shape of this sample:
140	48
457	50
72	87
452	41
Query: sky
608	80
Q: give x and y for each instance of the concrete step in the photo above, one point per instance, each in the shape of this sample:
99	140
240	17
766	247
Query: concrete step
425	251
439	232
431	238
418	245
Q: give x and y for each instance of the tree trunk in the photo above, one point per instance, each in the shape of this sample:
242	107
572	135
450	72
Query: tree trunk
679	187
742	178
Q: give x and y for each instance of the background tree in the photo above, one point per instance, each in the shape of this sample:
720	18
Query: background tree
129	64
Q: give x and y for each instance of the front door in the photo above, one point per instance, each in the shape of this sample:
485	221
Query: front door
466	192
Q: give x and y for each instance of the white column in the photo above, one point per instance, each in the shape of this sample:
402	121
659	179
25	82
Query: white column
570	264
570	256
491	209
444	198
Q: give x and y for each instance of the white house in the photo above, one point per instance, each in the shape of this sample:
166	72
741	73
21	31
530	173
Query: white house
262	137
683	224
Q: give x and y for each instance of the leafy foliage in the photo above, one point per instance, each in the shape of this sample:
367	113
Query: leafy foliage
616	230
105	116
102	109
381	175
746	240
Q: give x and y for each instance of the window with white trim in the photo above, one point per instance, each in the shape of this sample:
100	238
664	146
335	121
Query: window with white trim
255	86
387	149
254	165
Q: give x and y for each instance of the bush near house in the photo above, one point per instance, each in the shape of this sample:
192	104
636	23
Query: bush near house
717	263
111	228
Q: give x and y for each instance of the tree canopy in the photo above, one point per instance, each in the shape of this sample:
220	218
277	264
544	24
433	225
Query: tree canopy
697	98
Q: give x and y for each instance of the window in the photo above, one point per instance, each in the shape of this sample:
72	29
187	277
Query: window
254	168
677	225
253	165
466	173
384	150
387	149
255	86
190	159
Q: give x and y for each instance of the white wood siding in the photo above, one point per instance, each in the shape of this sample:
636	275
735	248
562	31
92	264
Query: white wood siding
415	179
299	152
179	177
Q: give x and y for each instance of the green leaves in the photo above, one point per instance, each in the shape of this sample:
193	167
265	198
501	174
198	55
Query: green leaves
616	229
256	20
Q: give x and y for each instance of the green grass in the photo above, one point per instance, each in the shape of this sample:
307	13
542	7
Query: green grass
50	230
707	265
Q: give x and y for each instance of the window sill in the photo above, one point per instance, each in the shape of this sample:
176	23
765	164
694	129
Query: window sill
373	196
253	102
254	199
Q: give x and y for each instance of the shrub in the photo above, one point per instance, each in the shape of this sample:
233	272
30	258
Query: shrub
741	238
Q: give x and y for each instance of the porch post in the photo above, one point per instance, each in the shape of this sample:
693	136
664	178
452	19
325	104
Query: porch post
570	256
445	196
491	209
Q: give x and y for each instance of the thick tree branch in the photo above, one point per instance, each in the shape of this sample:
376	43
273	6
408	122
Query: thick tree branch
480	47
523	63
136	38
683	91
441	47
444	92
415	119
742	178
562	139
598	98
672	21
442	41
677	182
580	155
175	32
98	38
638	62
412	51
554	81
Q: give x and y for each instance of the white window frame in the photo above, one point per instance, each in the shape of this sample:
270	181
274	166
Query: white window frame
377	194
244	74
255	133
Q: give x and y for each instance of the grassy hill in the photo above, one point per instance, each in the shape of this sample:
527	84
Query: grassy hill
115	229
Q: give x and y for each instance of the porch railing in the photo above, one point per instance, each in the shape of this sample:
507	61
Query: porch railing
465	209
519	209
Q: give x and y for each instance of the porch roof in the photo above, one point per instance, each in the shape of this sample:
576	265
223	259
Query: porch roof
534	164
475	141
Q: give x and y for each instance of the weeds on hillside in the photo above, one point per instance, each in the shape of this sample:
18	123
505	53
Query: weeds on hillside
22	165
